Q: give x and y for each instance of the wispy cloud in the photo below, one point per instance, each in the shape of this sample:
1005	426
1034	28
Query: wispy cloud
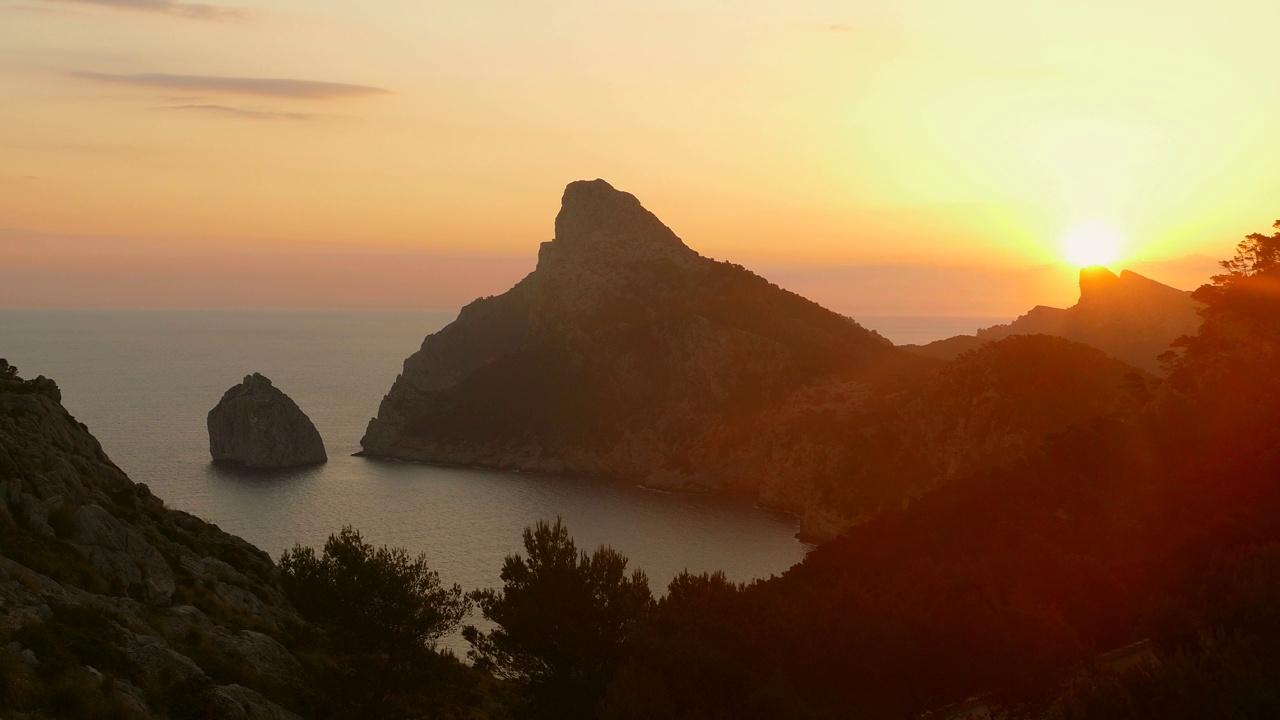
195	11
241	112
270	87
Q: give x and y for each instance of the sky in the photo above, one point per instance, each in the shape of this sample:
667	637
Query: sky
911	157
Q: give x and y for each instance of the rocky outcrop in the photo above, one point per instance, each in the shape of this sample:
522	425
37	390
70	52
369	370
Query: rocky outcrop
624	354
258	426
1128	316
627	354
109	598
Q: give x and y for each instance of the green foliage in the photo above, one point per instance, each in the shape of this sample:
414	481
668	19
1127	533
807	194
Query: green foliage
384	611
7	371
372	595
1241	311
1255	254
1223	379
563	618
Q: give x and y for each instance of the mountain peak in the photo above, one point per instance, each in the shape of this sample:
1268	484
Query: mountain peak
1096	282
1099	287
595	216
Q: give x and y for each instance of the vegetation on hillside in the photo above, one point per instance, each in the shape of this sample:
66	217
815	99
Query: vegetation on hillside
1158	525
383	612
562	620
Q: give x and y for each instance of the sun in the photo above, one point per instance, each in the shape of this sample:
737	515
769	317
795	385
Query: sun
1092	243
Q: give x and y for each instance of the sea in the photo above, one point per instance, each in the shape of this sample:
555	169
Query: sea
144	381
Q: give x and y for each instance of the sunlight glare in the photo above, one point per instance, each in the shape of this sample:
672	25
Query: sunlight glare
1092	243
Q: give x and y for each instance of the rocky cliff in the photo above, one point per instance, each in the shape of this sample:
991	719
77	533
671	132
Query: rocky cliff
624	353
111	604
627	354
1128	316
258	426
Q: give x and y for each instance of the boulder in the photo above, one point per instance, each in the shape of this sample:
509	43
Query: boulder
258	426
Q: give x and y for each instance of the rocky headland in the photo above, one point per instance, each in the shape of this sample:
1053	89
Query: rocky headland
258	426
113	605
627	354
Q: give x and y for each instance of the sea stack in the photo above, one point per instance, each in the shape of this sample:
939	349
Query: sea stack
258	426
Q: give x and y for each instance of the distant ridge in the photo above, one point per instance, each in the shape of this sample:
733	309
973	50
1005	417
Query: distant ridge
1128	316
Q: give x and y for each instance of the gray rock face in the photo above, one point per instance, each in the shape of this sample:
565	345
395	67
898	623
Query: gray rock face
258	426
174	602
120	551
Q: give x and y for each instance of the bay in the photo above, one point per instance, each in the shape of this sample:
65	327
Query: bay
143	382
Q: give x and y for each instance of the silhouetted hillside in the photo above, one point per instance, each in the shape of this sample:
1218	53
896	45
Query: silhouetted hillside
1011	584
986	409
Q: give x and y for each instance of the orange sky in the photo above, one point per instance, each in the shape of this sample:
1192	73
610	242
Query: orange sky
400	154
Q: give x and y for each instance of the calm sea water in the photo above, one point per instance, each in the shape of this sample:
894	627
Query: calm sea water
144	381
913	330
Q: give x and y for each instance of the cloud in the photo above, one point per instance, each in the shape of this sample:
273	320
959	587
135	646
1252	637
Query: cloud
270	87
242	112
195	11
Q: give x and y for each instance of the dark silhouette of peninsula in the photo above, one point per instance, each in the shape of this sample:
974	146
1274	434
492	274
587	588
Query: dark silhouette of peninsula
627	354
1127	567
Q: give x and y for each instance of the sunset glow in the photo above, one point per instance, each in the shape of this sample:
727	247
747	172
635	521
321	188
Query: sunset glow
817	134
1092	243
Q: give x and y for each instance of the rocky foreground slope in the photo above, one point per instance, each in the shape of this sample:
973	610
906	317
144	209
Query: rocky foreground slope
111	604
627	354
